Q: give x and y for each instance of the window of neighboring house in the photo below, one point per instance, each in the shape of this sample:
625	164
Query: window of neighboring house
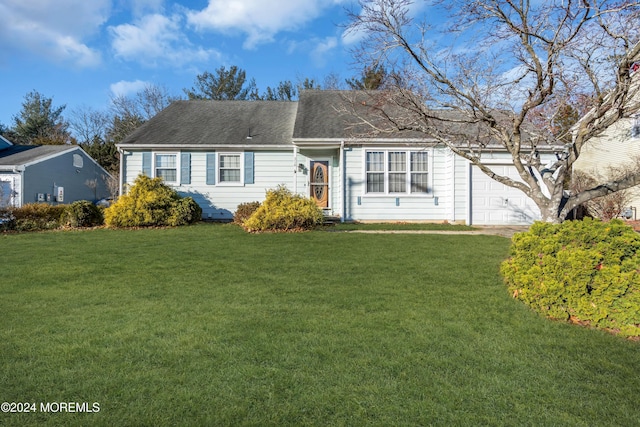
635	127
397	172
5	194
229	168
77	161
166	167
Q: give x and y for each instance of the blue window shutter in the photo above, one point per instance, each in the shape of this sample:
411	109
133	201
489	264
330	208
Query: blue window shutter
185	168
211	168
248	167
146	163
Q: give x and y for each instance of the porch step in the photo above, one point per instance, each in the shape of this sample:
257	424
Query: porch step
331	219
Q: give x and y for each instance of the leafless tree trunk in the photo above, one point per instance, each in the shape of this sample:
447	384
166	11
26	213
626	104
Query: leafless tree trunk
498	74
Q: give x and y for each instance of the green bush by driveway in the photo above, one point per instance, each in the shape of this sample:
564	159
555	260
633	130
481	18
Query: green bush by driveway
583	271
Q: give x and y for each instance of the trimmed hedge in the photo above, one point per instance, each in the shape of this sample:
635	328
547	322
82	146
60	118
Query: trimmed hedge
585	272
150	202
32	217
284	211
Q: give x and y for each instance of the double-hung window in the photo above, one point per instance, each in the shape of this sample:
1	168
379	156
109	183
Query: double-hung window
635	126
419	168
166	167
230	168
397	172
375	171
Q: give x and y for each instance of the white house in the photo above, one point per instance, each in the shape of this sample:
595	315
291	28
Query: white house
223	153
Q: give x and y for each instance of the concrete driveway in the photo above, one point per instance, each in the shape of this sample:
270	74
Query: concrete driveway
504	231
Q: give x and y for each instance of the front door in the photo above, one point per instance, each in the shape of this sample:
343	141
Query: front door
320	183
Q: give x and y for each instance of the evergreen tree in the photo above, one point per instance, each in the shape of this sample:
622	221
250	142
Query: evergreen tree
223	84
40	123
372	78
285	91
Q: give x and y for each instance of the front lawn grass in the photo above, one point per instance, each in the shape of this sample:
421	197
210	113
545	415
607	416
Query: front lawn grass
208	325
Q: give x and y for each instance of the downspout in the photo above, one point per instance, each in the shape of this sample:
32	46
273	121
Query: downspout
343	180
295	169
121	172
469	191
20	202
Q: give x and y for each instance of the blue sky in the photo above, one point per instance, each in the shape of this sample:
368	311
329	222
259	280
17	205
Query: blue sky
82	52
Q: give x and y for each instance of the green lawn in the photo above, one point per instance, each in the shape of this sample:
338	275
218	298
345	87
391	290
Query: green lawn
207	325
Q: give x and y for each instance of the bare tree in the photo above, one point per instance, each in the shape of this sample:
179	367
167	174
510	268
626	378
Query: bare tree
88	124
145	104
501	76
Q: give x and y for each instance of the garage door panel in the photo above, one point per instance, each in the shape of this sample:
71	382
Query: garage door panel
493	203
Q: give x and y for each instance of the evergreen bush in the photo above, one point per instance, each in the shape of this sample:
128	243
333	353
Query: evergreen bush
582	271
284	211
150	202
82	213
184	211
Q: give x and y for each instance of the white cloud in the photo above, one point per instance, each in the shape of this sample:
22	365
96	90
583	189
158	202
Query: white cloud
140	7
319	50
156	38
55	30
259	20
124	88
323	48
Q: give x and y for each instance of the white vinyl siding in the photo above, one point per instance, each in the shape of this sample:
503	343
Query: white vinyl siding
614	149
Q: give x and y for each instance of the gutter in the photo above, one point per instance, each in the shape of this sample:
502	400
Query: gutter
202	147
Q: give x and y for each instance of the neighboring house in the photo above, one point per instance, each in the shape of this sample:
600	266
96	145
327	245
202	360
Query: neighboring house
616	149
223	153
51	174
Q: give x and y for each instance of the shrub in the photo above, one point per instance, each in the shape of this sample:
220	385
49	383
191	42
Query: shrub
33	217
244	211
150	202
284	211
184	211
582	271
82	214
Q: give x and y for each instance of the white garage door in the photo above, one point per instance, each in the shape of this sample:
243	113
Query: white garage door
493	203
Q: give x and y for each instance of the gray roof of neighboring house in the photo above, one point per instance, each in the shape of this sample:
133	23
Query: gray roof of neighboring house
218	123
18	155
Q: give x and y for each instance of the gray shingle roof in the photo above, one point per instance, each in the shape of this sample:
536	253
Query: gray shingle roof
218	122
18	155
329	114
